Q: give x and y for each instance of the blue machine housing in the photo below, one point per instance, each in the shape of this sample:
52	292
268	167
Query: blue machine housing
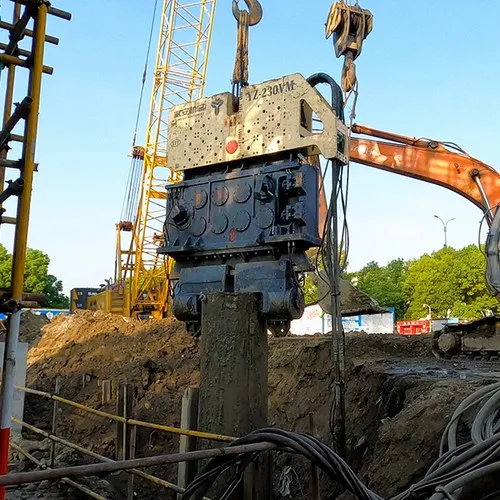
243	229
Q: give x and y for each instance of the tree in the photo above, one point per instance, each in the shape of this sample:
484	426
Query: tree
5	267
383	283
310	290
452	282
36	277
53	292
430	281
475	299
35	271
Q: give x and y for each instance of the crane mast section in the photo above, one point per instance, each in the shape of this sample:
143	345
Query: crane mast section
179	77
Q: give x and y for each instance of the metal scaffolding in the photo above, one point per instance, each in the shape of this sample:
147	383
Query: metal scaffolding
12	300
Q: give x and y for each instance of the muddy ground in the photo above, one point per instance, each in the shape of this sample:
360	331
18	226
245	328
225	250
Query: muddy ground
399	397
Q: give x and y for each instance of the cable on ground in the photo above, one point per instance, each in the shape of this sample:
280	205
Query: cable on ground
461	462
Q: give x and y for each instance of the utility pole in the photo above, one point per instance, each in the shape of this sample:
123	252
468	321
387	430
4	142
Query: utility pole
445	228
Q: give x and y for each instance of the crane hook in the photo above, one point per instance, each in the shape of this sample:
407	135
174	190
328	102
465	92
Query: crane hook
254	11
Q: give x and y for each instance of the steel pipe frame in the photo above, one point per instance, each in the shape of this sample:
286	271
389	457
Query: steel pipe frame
97	456
130	421
24	63
8	164
17	51
69	482
62	14
9	100
14	188
16	138
21	235
21	112
17	31
28	296
108	467
49	39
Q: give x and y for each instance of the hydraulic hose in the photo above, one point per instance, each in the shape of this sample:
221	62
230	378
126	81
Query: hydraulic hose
460	465
337	99
462	481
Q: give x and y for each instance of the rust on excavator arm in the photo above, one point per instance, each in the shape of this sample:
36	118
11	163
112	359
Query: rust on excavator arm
426	160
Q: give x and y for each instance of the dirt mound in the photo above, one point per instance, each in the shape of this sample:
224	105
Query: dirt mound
399	397
81	342
352	300
30	328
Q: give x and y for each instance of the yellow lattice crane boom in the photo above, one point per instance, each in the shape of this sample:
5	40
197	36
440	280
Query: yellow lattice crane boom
141	284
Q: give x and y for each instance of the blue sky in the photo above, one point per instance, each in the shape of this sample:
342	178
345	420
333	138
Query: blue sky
427	69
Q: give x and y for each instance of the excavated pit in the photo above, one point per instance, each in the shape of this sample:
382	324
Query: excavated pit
399	397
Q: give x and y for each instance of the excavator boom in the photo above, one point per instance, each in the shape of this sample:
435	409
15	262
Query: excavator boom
446	165
429	161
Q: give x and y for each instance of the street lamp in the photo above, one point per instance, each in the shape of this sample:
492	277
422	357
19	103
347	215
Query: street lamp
430	310
445	228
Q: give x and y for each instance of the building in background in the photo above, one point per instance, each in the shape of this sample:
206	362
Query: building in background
315	321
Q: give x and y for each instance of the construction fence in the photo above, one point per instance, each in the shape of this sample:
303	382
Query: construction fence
125	441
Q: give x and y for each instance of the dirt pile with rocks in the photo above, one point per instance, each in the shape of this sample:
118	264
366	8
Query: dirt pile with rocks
399	397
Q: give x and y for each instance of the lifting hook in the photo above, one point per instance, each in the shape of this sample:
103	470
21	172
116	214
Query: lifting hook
254	11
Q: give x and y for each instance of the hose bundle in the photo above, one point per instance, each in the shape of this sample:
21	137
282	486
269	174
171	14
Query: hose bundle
458	466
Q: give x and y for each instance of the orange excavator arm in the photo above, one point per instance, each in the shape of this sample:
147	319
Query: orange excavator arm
443	164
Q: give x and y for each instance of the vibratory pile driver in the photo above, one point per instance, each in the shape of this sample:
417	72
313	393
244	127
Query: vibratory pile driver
247	208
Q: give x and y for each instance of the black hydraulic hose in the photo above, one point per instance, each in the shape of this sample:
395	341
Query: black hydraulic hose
465	457
478	426
303	444
465	479
469	401
450	432
427	485
449	455
494	495
337	100
453	470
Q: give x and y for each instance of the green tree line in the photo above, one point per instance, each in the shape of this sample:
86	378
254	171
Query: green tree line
36	277
450	282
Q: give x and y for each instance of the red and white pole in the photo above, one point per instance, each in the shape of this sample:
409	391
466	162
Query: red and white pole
7	392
